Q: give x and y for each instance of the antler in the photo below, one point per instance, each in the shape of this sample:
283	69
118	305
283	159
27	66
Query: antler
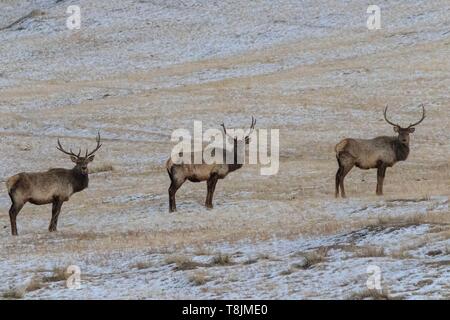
70	153
423	117
252	127
385	118
225	130
96	148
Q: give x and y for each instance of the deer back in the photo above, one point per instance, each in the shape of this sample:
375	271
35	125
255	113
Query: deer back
369	153
44	187
198	171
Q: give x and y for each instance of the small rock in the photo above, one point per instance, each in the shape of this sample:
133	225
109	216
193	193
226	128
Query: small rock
301	264
434	253
25	147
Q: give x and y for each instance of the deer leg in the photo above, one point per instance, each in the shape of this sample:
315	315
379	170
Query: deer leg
172	191
212	181
346	163
13	212
56	209
174	186
344	172
380	179
338	180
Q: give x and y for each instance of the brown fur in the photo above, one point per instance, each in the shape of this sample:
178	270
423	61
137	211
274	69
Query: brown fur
380	153
54	186
11	182
210	173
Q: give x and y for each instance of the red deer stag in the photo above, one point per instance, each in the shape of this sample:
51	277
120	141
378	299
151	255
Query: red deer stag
381	153
210	173
54	186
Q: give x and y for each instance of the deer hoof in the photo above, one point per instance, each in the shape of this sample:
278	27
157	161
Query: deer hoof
208	206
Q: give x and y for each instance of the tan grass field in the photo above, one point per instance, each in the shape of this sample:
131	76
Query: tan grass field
315	87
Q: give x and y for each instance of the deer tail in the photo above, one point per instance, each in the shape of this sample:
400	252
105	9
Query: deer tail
341	146
169	168
11	183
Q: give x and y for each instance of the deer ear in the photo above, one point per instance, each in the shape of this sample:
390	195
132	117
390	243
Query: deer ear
411	130
74	159
396	129
91	158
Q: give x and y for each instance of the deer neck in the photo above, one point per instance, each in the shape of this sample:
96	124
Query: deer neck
80	181
401	150
235	165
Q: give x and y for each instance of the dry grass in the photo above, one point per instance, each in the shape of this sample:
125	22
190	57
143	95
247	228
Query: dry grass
34	284
371	294
315	257
221	260
402	251
199	278
401	254
264	256
214	232
430	217
250	261
14	293
302	91
309	259
424	282
89	235
288	271
202	250
141	265
102	167
408	200
182	262
369	251
59	274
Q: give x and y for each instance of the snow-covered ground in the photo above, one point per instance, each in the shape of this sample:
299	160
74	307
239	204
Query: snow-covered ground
137	70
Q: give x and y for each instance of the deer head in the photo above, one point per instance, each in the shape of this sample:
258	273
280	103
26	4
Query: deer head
246	136
80	161
403	133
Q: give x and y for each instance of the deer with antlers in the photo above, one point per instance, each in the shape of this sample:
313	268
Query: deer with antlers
380	153
54	186
210	173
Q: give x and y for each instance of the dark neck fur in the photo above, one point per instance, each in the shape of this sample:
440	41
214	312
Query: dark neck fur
235	165
401	150
79	181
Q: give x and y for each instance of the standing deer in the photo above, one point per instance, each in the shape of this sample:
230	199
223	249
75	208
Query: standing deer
54	186
210	173
381	153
